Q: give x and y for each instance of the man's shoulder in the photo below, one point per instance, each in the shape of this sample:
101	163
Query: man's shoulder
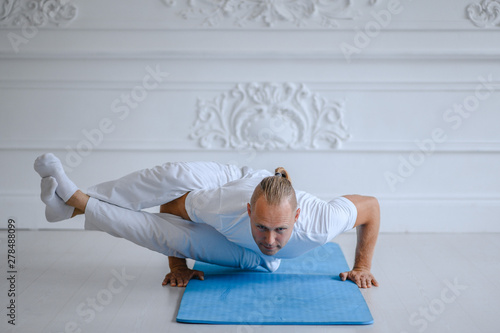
308	199
313	214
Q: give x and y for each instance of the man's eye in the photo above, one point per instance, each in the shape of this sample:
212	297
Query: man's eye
261	228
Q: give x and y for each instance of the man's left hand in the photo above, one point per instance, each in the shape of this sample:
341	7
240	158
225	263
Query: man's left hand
362	277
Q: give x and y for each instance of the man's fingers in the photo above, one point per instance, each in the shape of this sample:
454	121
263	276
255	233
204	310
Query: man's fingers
181	279
199	275
354	278
181	282
359	281
362	280
166	280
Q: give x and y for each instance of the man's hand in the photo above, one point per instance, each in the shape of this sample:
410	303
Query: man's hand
180	277
180	274
362	277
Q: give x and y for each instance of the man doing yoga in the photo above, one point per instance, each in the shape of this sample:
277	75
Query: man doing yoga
242	217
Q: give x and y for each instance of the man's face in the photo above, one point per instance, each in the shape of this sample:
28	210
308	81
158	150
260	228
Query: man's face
271	226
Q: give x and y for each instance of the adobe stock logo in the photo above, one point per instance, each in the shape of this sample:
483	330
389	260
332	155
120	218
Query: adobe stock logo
372	29
426	315
454	118
121	107
88	310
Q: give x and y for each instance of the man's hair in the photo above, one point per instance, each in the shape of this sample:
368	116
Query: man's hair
275	189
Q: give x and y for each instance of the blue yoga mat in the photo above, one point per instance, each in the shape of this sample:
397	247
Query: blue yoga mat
303	291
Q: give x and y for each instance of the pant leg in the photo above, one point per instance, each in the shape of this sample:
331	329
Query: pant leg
171	235
164	183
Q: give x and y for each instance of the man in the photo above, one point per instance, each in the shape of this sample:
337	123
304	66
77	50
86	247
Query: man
273	220
216	196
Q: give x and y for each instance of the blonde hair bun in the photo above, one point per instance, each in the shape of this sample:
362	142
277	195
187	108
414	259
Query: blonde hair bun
281	171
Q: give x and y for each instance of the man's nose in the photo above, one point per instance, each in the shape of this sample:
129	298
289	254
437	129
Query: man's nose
270	238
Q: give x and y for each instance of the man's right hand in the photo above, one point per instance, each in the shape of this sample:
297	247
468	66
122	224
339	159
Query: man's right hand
180	274
181	277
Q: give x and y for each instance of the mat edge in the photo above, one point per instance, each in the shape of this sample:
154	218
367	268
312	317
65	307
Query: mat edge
188	321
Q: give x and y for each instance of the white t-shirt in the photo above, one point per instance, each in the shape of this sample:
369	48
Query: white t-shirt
225	209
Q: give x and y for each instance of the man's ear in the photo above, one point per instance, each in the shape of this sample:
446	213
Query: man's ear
249	209
297	214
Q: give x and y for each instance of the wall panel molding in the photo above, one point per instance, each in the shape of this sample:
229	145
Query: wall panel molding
395	216
477	44
422	54
186	145
220	86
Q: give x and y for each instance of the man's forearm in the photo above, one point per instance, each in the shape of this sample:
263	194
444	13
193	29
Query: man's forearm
367	225
366	239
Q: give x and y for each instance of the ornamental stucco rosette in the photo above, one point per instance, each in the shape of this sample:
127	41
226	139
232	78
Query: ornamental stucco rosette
20	13
269	116
485	13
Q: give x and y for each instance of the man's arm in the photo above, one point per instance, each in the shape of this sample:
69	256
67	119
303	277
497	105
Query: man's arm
367	227
180	274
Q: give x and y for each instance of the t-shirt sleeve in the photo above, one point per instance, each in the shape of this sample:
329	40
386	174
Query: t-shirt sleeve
321	221
341	216
220	207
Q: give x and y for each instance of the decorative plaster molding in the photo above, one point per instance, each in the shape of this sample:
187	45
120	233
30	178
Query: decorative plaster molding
298	12
20	13
485	13
269	116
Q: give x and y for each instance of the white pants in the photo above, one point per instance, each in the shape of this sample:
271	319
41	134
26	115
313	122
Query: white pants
114	208
164	183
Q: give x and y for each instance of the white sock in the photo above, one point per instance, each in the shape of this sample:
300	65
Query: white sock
49	165
55	209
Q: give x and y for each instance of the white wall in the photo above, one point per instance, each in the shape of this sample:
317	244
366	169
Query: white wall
386	78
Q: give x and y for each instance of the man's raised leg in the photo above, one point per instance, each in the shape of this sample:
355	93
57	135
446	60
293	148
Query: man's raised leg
164	183
148	187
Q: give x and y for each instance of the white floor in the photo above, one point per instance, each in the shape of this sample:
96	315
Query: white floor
66	282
